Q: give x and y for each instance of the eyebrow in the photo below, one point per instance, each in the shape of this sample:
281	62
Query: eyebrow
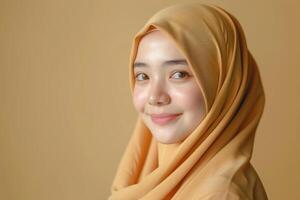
166	63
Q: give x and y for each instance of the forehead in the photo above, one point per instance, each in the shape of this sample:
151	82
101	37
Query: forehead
157	43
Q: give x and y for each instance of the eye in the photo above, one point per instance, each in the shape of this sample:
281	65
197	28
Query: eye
180	74
140	76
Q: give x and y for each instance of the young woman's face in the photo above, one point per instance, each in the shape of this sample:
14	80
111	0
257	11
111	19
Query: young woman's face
166	94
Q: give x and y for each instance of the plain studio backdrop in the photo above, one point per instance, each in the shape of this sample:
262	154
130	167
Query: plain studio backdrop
65	106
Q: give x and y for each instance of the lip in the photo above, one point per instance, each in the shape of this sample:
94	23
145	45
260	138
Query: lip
164	118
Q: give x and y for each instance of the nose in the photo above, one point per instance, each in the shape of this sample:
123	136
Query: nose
158	94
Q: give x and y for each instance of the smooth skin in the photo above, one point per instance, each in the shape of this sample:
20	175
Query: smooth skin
164	83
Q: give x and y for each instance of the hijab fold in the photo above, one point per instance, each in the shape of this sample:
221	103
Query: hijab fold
213	162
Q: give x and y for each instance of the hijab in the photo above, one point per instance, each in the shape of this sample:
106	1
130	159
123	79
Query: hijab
213	162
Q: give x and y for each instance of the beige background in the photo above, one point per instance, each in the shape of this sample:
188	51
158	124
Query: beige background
65	106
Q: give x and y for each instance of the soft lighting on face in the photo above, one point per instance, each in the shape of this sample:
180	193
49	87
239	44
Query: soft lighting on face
166	94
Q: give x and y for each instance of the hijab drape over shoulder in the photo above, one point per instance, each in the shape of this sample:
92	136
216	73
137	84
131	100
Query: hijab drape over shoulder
213	162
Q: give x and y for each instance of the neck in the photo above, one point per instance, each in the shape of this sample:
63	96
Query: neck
166	152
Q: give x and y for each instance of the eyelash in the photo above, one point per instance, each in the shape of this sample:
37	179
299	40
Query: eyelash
186	74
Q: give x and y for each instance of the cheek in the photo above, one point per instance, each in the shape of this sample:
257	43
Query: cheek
189	97
139	98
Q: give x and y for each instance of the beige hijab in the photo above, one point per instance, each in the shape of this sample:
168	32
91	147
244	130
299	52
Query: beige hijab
213	162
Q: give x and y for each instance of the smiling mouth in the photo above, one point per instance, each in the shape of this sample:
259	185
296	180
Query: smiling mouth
162	120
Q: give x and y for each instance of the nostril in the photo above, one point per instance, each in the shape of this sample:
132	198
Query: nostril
159	100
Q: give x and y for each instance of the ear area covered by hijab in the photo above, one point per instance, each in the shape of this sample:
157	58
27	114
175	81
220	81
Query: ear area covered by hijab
213	162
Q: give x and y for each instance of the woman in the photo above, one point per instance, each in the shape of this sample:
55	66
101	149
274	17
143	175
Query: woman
199	96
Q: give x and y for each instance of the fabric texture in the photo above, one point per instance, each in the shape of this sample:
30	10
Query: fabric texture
213	162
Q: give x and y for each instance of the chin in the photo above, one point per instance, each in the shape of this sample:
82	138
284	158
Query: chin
165	141
159	135
162	138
